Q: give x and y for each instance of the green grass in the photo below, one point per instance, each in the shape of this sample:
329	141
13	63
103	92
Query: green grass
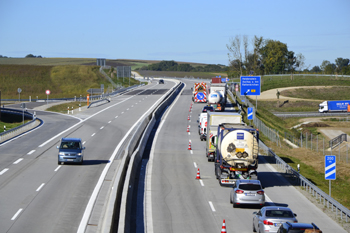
333	93
291	106
317	178
10	125
63	108
179	74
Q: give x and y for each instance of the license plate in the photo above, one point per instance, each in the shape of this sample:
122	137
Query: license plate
70	159
250	194
277	224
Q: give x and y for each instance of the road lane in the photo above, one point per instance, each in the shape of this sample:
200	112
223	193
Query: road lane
58	205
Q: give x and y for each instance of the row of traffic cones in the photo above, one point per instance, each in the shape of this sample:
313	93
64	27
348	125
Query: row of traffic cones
198	177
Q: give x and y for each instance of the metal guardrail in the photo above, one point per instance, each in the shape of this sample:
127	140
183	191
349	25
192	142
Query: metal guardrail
337	140
99	101
340	210
9	134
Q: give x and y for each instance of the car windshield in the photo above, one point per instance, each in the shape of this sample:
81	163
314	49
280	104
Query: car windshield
279	213
250	187
70	145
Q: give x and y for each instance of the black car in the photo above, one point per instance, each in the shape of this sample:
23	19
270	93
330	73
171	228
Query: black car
289	227
161	81
208	108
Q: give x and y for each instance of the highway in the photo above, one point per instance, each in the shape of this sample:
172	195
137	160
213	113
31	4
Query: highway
177	202
37	194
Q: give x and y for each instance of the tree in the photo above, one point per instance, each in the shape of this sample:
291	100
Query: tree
236	55
330	69
316	69
340	63
324	64
275	56
30	55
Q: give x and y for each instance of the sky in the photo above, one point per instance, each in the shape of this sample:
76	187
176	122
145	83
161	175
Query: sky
183	30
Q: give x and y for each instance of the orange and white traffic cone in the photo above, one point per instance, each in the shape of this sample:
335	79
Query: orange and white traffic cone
223	229
198	175
188	129
188	118
189	146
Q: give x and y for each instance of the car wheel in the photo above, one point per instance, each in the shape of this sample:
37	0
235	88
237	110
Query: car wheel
234	205
82	161
254	230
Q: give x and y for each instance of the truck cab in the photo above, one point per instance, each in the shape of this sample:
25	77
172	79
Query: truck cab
323	107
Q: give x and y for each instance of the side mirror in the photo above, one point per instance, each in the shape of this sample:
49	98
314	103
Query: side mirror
255	212
213	141
295	215
84	148
58	147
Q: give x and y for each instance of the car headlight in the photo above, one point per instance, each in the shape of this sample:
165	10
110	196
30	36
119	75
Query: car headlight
78	154
61	153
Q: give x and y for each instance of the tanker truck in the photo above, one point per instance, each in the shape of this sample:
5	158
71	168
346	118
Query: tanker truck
237	151
217	96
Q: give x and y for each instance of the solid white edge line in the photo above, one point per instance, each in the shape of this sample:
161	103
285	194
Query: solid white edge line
38	189
212	206
30	152
57	168
88	210
194	164
18	160
149	167
201	181
16	214
3	171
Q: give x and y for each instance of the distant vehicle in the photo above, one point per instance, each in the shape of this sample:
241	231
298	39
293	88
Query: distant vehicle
70	151
248	192
270	218
202	126
161	81
208	108
334	106
199	94
289	227
218	96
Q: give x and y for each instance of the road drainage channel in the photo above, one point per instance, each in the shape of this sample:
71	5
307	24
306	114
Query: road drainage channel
137	206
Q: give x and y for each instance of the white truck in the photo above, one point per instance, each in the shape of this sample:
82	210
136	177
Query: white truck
214	119
218	96
237	149
202	126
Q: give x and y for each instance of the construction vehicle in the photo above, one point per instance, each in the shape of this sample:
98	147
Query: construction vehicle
217	96
199	94
214	119
237	148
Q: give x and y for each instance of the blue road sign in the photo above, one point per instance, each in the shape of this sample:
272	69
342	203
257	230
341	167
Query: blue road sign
250	85
250	113
200	96
330	168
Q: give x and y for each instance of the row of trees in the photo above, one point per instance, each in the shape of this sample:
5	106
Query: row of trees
341	66
268	56
174	66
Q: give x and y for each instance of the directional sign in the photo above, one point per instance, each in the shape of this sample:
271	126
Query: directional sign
250	85
250	113
330	168
200	96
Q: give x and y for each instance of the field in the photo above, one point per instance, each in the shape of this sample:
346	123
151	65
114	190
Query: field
179	74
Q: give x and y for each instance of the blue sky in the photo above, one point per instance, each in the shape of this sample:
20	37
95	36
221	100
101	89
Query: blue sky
191	31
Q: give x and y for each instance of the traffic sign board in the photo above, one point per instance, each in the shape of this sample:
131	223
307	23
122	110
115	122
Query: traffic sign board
250	113
330	167
200	96
47	92
250	85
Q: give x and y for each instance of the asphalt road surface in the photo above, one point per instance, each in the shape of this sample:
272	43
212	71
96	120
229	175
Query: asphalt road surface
177	202
37	194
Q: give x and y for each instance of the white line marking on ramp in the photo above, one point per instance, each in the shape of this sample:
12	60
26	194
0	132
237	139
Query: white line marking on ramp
30	152
57	168
18	160
38	189
3	171
201	181
212	206
102	127
16	214
194	164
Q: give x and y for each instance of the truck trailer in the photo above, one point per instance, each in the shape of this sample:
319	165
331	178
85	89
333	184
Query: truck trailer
237	148
335	106
213	120
218	96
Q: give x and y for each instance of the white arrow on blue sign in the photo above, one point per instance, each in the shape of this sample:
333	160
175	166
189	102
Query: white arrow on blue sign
330	167
250	113
200	96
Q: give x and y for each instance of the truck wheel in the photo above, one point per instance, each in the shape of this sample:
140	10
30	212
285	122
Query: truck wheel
254	230
217	172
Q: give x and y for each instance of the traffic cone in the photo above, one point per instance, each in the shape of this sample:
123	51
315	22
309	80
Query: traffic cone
189	146
188	129
199	176
223	229
188	118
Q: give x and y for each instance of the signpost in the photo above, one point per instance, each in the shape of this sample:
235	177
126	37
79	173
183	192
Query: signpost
19	90
47	94
250	114
330	169
251	85
23	106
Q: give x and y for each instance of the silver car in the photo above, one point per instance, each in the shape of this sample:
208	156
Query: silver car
70	150
248	192
270	218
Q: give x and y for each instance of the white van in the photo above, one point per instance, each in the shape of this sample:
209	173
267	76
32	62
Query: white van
202	126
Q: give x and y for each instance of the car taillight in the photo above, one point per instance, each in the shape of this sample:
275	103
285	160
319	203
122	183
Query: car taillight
261	192
267	222
239	191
